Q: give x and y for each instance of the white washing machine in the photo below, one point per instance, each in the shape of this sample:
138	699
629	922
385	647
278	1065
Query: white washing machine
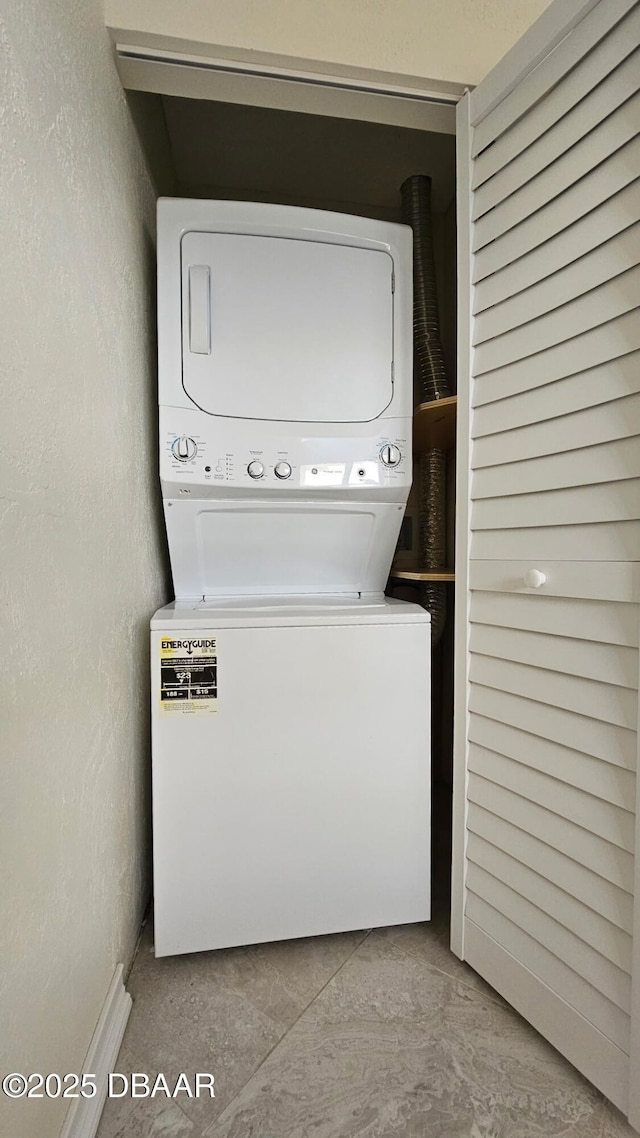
290	703
290	769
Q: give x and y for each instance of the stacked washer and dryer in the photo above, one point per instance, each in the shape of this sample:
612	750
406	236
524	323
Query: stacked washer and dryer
290	697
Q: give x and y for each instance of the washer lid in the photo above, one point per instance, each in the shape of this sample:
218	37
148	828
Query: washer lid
285	329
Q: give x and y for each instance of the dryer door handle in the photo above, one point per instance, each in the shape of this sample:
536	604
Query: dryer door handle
200	309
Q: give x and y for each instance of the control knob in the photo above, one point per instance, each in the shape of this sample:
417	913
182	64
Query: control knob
282	470
390	455
184	449
255	469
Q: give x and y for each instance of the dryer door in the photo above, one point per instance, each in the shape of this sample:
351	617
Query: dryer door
284	329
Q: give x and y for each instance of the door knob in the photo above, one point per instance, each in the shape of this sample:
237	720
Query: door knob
534	578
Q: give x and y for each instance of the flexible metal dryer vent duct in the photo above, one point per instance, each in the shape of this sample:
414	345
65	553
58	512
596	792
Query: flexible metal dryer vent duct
431	371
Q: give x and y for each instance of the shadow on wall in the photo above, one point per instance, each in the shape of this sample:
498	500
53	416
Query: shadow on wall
147	114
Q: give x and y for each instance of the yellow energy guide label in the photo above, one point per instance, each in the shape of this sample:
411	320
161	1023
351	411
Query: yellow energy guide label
189	674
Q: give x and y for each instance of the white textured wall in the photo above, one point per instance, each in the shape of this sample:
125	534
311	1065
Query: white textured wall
80	539
455	40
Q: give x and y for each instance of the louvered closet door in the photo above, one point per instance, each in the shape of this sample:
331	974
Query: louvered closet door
549	744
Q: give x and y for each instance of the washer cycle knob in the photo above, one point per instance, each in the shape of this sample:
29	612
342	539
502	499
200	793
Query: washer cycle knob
184	448
255	469
390	455
282	470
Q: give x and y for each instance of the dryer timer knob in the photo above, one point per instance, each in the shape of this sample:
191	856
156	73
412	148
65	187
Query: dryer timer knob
184	448
390	455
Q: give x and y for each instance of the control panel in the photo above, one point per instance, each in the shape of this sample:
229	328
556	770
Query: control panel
239	454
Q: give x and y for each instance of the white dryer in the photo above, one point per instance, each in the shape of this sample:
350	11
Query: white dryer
285	390
290	699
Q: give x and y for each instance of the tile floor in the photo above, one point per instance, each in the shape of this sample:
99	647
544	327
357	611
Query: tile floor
380	1034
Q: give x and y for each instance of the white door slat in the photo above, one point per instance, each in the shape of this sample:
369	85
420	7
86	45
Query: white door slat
604	502
601	184
607	663
618	419
599	933
610	822
551	29
601	740
608	462
603	223
595	580
620	85
614	541
600	305
550	71
602	896
596	854
602	345
606	621
605	780
611	981
590	698
604	263
591	388
545	878
603	1013
592	149
591	70
604	1063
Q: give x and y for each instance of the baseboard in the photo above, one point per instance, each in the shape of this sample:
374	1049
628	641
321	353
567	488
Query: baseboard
84	1114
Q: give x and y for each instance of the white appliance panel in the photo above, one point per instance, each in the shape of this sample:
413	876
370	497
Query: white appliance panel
250	547
207	456
302	805
287	330
180	219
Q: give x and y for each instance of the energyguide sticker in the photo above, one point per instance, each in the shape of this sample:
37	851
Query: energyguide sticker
189	675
